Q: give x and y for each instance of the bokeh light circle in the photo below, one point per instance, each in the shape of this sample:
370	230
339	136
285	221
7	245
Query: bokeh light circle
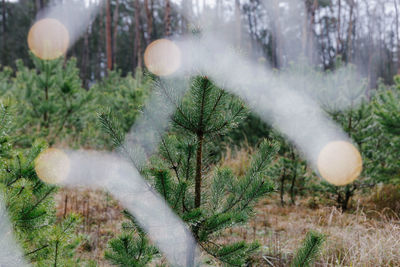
339	163
162	57
52	166
48	39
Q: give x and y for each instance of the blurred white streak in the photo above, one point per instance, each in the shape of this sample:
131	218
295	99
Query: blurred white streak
10	254
292	112
75	15
115	174
144	136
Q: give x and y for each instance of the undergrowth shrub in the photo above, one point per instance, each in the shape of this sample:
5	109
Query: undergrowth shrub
386	198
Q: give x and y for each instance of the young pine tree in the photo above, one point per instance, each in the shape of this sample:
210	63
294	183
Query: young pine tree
357	122
387	111
46	241
51	100
289	171
209	199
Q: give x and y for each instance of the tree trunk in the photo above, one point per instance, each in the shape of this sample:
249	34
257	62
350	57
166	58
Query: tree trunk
108	36
34	7
199	156
115	32
346	199
311	31
277	40
343	201
138	45
338	38
46	116
100	50
283	178
304	36
292	186
167	18
238	23
4	37
149	18
85	60
38	5
397	35
56	254
187	15
371	50
349	33
4	17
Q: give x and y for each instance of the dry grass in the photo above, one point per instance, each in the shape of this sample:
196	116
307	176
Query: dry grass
367	236
101	220
237	159
360	238
385	198
353	239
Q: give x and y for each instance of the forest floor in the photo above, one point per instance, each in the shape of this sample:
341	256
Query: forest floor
359	237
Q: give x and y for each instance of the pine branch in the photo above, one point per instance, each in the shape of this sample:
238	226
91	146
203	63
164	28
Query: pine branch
111	127
260	161
221	94
226	122
36	250
39	201
56	254
169	157
161	86
309	250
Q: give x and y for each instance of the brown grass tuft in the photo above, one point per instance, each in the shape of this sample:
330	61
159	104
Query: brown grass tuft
238	159
352	239
101	220
386	198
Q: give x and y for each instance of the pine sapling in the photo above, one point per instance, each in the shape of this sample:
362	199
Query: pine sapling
185	170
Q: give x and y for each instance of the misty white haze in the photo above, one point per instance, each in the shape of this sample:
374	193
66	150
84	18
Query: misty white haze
288	101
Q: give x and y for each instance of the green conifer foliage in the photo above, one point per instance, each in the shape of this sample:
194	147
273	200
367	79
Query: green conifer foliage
132	248
117	97
309	250
122	95
208	198
5	80
388	109
5	127
51	100
29	202
370	136
357	122
290	171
